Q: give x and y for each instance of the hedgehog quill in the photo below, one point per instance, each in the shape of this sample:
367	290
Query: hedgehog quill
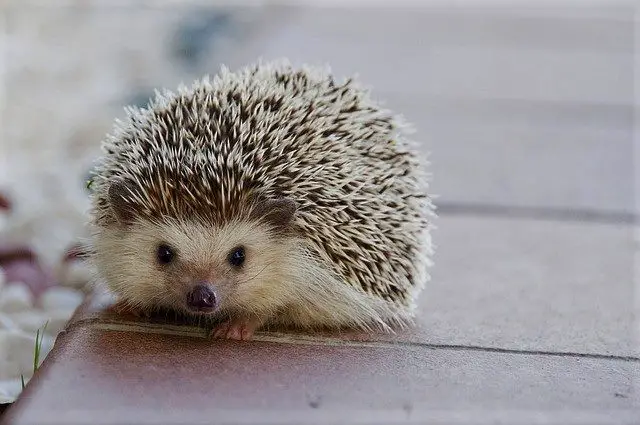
272	195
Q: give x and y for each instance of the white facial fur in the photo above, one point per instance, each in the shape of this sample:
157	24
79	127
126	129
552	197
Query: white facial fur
126	259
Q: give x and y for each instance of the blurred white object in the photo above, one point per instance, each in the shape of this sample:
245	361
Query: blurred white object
10	389
16	354
7	323
15	297
60	298
30	321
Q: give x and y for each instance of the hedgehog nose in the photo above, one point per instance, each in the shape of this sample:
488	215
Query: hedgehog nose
202	299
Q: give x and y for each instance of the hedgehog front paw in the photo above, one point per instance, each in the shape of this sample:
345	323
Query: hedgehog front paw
238	329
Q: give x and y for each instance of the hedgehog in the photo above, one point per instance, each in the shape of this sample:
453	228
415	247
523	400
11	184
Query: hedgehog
273	195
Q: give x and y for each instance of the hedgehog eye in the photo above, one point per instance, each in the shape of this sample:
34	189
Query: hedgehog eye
236	257
165	254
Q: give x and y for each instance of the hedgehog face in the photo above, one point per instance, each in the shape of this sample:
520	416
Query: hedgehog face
193	268
198	268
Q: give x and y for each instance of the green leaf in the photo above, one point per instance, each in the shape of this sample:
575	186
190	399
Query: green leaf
38	347
36	355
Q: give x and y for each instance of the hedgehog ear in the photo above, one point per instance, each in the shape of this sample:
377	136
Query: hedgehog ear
118	192
278	212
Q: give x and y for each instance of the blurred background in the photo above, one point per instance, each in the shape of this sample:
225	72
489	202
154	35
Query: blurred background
527	108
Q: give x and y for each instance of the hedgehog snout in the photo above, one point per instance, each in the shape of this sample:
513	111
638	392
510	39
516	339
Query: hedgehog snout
202	298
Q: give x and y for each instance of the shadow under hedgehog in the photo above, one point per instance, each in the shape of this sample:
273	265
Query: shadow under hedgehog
273	195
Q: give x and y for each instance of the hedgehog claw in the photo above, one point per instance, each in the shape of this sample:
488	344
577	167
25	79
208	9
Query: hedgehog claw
239	330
